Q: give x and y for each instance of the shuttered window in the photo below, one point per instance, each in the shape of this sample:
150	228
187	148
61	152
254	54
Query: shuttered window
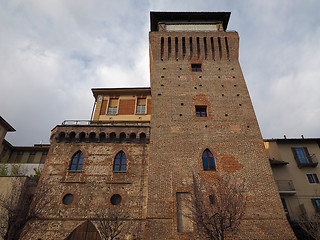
113	106
141	106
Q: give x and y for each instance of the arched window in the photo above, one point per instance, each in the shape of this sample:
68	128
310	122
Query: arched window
120	160
208	160
77	160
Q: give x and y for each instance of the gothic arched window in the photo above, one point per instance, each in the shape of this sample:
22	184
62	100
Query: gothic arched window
208	160
77	161
120	161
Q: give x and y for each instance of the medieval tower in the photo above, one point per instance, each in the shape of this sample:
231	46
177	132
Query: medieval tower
142	146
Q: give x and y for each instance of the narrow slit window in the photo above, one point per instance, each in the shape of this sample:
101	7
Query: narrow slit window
141	106
201	111
220	48
191	48
198	47
176	46
77	161
162	47
169	47
212	49
184	46
120	162
208	160
196	67
205	48
113	106
227	47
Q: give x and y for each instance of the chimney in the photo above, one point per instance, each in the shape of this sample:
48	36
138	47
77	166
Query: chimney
284	136
302	136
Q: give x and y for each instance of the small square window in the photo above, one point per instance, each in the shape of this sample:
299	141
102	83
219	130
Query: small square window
196	67
201	111
312	178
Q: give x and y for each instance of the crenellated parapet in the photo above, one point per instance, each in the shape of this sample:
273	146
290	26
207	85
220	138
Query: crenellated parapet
100	134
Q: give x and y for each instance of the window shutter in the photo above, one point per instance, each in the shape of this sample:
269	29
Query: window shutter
113	102
141	101
103	107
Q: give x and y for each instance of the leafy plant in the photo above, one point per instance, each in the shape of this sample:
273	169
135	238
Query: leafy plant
37	174
15	169
3	169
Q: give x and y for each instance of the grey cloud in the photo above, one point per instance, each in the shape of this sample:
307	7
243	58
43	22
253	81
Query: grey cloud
54	52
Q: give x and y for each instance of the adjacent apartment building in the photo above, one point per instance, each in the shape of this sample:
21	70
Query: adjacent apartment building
25	157
143	145
295	168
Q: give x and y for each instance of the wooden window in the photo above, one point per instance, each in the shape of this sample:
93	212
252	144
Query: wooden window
141	106
103	107
201	111
113	106
196	67
208	160
77	161
119	164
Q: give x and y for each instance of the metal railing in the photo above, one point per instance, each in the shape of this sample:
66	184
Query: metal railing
76	122
286	186
312	161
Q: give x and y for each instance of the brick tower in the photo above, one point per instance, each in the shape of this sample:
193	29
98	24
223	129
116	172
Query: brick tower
140	149
200	101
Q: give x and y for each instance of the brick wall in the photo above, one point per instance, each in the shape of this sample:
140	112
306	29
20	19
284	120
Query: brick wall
230	132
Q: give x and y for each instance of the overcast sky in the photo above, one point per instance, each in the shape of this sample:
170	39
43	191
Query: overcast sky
53	52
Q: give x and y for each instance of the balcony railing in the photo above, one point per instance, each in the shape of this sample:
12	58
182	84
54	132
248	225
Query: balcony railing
286	186
311	161
76	122
106	123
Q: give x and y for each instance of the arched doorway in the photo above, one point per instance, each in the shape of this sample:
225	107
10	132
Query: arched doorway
85	231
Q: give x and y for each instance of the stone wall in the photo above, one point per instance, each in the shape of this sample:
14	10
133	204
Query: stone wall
95	184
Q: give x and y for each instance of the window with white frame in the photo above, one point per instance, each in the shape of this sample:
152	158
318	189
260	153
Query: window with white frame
141	106
113	106
312	178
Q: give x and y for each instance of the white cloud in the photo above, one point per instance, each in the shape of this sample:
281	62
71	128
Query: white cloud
54	52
